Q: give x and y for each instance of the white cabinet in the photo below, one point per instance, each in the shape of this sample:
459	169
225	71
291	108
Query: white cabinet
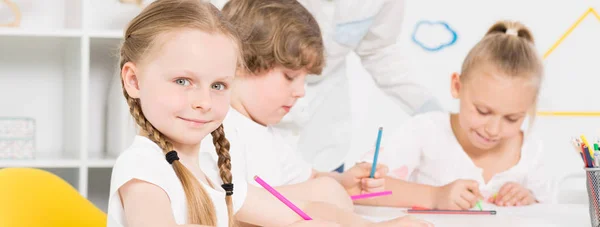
60	68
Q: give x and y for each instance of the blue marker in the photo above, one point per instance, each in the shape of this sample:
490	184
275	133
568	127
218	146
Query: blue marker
374	167
588	156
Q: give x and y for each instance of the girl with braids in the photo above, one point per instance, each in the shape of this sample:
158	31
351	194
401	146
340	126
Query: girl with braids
454	160
178	60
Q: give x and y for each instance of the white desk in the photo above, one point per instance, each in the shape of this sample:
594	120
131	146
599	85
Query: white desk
557	215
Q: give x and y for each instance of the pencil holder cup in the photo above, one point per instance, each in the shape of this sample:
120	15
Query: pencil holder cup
592	177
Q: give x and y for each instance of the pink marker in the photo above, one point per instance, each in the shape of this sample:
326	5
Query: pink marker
370	195
281	198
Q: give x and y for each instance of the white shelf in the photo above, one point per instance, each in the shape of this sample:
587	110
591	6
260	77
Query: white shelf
107	163
100	161
68	33
40	33
65	52
41	163
107	34
53	94
109	15
58	163
44	160
65	33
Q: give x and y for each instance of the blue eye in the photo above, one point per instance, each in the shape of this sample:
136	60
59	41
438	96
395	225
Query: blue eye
182	82
218	86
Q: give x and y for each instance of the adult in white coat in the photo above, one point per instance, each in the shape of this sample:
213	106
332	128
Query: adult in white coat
320	123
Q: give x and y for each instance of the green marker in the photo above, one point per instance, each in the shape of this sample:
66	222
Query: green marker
478	204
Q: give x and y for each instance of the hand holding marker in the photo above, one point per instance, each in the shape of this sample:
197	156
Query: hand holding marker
373	168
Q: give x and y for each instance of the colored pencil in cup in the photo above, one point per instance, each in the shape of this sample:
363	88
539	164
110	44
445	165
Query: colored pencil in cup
374	167
371	195
589	160
591	151
577	146
281	198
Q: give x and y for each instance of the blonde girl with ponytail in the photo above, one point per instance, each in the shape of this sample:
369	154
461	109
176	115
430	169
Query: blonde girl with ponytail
481	153
178	60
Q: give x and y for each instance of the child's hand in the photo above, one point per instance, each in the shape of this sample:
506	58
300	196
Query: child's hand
458	195
405	221
356	180
513	194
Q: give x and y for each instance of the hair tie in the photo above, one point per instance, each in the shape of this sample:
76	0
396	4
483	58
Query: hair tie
171	156
228	188
512	31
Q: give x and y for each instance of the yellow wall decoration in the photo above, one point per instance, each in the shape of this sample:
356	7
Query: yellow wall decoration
590	11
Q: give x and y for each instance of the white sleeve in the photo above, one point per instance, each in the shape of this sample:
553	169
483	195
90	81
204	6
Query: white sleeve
296	169
400	149
540	179
388	64
141	165
136	164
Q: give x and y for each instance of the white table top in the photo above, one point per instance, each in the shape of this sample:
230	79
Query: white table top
555	215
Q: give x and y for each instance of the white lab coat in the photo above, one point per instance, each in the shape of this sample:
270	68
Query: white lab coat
319	125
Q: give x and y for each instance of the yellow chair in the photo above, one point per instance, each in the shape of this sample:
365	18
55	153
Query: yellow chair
34	197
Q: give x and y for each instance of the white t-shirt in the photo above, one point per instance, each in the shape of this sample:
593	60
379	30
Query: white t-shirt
144	160
424	150
265	152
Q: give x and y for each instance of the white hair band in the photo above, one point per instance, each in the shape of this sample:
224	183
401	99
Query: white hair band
512	31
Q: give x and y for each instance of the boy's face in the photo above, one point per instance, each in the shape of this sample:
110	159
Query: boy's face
269	96
492	105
